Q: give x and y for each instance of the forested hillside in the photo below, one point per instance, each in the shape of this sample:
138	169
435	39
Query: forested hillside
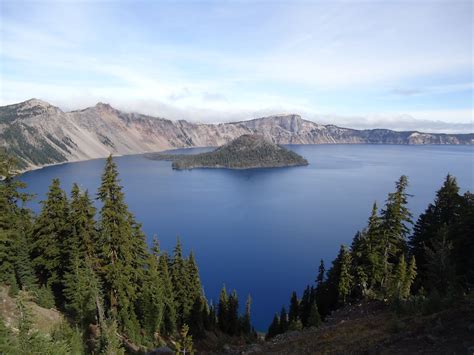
117	294
423	270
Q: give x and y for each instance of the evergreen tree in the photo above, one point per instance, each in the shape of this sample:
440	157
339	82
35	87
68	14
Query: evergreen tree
274	328
122	249
233	314
194	283
283	321
321	275
168	325
15	224
305	305
83	241
246	324
345	277
440	269
394	226
398	279
223	311
180	281
197	318
50	239
81	290
314	319
150	303
374	250
445	211
185	343
409	278
294	310
462	233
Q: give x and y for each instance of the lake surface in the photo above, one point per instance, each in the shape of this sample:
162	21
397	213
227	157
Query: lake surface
263	231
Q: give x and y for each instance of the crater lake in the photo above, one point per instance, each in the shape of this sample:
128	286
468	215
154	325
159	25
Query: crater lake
264	231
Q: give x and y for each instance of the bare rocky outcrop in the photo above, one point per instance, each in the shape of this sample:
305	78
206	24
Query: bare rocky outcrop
39	134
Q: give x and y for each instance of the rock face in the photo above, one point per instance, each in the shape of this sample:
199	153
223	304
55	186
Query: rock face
248	151
39	134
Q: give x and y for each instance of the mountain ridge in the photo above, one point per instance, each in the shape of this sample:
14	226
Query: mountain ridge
40	134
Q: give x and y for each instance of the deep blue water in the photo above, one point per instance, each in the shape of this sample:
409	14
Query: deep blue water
264	231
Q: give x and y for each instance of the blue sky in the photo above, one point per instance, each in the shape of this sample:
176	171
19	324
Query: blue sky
396	64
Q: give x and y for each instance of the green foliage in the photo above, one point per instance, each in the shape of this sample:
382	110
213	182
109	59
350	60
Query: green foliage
122	252
112	288
293	313
274	328
185	343
81	291
110	343
50	238
439	251
223	311
44	297
345	277
247	151
168	325
15	222
394	228
314	319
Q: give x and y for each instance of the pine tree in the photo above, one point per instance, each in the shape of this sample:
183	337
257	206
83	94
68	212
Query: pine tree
375	248
84	237
398	279
223	311
294	310
185	344
440	269
283	321
168	325
274	328
445	211
122	250
195	288
321	274
462	233
150	303
345	277
81	290
180	281
50	239
15	224
314	319
197	317
394	226
233	314
410	278
246	324
305	305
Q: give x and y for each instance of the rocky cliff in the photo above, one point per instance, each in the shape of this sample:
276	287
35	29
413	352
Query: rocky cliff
38	133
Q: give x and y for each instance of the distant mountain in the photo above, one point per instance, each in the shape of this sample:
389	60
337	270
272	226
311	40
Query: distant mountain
39	134
248	151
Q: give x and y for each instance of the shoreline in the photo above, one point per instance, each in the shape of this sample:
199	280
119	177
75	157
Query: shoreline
23	171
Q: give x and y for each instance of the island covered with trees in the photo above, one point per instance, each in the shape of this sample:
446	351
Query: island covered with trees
248	151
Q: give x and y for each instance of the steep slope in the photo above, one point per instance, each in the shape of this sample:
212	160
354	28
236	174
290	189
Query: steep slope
373	328
39	134
248	151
